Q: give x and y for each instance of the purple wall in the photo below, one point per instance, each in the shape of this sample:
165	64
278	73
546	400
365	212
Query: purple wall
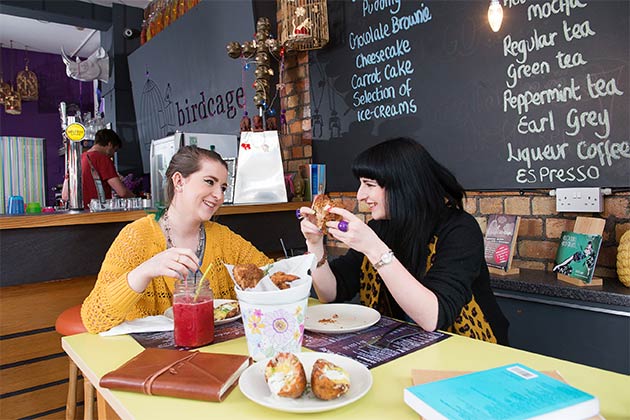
41	118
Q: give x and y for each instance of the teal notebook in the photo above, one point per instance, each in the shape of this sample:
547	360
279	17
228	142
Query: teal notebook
511	392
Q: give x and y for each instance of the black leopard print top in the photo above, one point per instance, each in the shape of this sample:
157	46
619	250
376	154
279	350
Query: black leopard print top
456	273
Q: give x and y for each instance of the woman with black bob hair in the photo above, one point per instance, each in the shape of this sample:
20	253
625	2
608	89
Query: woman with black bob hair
421	256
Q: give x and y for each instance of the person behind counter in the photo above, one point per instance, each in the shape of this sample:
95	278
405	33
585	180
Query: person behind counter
421	257
138	274
97	163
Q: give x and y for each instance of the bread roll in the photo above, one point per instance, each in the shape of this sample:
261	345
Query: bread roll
329	381
285	376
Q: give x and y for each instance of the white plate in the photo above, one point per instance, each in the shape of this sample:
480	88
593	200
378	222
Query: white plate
253	385
169	312
337	318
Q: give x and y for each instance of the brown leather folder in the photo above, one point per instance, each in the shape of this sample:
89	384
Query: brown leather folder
181	374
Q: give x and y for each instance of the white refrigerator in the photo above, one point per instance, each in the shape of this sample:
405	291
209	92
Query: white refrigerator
162	150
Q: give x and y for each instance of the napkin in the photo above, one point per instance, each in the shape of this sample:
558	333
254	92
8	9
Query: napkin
298	266
148	324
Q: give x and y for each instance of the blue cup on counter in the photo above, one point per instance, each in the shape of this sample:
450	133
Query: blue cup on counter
15	205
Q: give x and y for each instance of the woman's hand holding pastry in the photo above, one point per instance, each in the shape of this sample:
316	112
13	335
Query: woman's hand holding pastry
311	232
174	262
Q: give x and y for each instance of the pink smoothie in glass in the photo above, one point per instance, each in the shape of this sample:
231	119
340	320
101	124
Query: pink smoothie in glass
194	321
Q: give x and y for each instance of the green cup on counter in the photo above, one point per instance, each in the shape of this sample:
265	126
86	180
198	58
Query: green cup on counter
33	208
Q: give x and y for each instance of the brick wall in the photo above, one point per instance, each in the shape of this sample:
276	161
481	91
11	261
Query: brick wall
540	227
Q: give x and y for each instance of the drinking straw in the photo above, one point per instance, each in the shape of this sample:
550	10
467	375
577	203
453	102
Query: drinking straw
203	277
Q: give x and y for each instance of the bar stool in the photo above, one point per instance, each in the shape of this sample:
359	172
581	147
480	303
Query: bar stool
69	323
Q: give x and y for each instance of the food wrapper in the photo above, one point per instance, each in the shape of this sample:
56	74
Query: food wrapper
274	318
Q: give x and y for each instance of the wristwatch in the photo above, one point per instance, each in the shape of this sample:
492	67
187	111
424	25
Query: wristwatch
386	258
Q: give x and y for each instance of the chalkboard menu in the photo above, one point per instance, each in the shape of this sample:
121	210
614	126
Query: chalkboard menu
543	103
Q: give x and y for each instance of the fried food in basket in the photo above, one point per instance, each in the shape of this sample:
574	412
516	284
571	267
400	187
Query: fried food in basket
247	275
321	204
282	279
285	375
329	381
226	310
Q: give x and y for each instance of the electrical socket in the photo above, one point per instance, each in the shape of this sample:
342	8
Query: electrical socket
580	200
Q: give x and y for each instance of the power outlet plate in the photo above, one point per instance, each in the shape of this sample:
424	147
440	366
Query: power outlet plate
588	200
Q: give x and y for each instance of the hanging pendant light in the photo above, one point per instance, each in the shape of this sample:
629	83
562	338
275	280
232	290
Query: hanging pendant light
5	88
495	15
13	102
13	99
26	81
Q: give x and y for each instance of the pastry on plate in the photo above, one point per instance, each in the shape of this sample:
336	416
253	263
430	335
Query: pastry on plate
329	381
282	279
285	375
247	276
226	310
321	204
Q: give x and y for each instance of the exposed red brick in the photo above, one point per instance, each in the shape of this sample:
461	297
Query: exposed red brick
308	151
532	265
297	152
530	228
555	227
292	101
302	57
483	223
295	127
537	249
617	206
620	229
607	257
543	205
607	272
490	205
470	205
290	115
517	205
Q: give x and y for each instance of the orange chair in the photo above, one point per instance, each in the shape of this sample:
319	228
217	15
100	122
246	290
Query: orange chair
69	323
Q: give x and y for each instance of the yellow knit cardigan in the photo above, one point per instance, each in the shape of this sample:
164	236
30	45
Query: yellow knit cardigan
112	301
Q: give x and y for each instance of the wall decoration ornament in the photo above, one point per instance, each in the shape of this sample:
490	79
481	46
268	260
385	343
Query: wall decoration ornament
96	66
305	24
27	84
12	99
261	47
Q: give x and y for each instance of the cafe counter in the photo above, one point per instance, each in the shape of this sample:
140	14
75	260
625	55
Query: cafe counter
588	325
36	248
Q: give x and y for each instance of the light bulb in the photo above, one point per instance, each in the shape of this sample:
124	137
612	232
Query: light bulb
495	15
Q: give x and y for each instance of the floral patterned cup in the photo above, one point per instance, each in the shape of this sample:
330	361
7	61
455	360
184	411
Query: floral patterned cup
274	321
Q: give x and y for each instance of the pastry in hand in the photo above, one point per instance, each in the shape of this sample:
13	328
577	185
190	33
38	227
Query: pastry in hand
285	376
321	204
329	381
282	279
247	276
226	310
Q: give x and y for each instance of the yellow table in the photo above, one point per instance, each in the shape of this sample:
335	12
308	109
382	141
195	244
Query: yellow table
97	355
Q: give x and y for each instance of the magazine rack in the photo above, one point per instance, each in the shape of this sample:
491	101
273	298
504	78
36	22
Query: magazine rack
589	226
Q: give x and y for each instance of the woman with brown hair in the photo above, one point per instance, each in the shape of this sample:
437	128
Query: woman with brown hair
138	275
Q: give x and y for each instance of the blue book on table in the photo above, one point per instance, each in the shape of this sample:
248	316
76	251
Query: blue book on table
508	392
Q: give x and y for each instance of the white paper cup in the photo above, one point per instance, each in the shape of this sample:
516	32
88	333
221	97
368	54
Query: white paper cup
274	321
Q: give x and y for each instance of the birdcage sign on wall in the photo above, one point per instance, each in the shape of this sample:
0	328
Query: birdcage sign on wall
304	25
